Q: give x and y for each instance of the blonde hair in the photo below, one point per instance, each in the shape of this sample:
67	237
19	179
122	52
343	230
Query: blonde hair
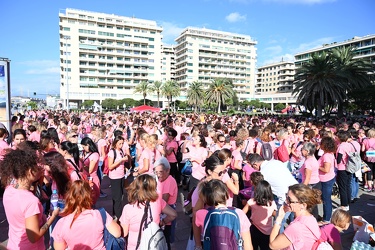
340	218
371	133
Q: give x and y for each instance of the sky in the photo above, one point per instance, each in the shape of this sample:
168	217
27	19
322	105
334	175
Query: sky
29	34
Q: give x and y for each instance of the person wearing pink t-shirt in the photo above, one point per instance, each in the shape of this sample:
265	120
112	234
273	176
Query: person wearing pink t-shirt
262	207
343	177
327	163
23	210
79	217
90	164
167	190
215	193
141	193
116	174
148	156
304	231
34	133
3	144
170	149
310	168
196	152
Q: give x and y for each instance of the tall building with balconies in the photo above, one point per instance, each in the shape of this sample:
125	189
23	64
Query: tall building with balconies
168	62
204	54
364	48
106	56
274	83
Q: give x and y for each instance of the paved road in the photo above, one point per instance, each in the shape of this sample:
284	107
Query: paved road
365	207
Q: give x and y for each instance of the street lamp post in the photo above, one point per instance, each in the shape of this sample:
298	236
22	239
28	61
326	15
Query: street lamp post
67	73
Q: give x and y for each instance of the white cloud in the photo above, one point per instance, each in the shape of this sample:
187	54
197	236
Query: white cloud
278	58
41	67
235	17
274	50
170	32
313	44
44	71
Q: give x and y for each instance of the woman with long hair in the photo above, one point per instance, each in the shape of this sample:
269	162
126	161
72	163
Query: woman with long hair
70	151
141	193
116	160
90	164
304	230
148	156
78	216
19	136
20	169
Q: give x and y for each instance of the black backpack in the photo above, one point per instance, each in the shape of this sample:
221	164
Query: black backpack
178	154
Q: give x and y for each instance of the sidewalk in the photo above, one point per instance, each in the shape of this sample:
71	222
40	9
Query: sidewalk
365	207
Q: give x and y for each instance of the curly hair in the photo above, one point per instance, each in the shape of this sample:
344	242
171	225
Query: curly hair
16	164
142	189
58	170
328	145
77	199
242	134
310	196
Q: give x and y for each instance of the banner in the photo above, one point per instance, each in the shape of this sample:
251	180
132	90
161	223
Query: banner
5	93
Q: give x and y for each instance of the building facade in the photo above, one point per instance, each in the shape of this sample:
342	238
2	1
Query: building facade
203	55
274	83
106	56
364	48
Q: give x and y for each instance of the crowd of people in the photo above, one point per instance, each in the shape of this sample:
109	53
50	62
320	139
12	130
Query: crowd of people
269	173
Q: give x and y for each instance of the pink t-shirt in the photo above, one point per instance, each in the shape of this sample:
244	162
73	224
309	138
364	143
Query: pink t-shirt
368	143
330	158
301	236
34	136
261	216
330	233
3	147
199	154
225	178
101	144
312	164
171	144
72	170
86	230
151	155
94	157
244	221
236	156
169	186
118	172
20	204
248	170
132	215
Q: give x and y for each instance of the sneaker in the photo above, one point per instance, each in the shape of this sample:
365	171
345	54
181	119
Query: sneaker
365	187
368	190
103	195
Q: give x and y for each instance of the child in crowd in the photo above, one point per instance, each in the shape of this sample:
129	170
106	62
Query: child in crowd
262	207
340	221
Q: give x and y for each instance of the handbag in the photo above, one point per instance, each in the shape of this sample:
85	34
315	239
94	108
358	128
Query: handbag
187	169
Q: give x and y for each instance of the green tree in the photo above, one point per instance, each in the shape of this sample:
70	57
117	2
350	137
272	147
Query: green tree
326	79
109	103
219	90
195	94
144	88
280	106
88	103
157	88
32	105
170	89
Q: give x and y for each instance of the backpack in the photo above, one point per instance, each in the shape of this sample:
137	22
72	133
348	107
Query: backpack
321	244
105	166
81	175
282	153
354	161
266	151
178	154
243	153
110	241
150	236
222	230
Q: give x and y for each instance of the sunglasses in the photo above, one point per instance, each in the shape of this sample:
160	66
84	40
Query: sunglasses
221	172
289	201
74	136
221	141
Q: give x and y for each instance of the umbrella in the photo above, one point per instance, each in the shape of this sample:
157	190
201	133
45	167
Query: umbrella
144	108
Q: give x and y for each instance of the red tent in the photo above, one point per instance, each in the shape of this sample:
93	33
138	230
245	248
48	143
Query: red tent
144	108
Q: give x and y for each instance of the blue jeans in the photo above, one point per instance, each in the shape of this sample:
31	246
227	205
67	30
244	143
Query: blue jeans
326	197
355	187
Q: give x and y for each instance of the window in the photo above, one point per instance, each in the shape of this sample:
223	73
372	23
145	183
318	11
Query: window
66	29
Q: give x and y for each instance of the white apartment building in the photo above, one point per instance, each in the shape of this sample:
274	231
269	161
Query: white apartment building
106	56
274	83
168	67
204	54
364	48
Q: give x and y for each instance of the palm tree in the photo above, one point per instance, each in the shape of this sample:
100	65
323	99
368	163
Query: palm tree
170	89
195	94
218	91
144	88
157	87
325	80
